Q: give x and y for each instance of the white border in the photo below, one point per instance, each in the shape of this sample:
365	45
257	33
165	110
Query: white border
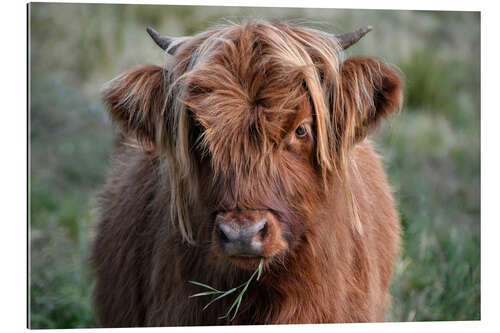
13	162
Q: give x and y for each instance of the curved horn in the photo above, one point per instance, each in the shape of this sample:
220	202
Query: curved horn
350	38
168	44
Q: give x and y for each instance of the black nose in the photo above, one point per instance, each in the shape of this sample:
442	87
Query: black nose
242	240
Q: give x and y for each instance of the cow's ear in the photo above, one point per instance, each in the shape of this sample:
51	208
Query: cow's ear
371	90
136	101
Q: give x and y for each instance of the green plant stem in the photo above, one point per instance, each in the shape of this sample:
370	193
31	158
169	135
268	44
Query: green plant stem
221	294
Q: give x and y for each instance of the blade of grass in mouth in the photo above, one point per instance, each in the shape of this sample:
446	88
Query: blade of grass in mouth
221	294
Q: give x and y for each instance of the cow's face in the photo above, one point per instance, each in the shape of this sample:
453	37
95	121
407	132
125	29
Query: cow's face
258	172
254	121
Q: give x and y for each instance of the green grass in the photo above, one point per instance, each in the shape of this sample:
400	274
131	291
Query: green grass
438	274
70	146
431	150
60	281
221	294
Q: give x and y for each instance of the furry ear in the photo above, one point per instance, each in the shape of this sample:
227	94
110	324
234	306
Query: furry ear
136	101
371	90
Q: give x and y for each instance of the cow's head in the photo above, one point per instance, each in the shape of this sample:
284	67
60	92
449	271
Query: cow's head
253	122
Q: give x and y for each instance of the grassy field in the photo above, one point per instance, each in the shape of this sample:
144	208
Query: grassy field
431	150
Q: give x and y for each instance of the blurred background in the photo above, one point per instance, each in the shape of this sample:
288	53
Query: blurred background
431	150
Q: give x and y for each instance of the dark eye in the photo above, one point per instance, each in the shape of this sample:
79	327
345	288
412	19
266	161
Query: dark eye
301	131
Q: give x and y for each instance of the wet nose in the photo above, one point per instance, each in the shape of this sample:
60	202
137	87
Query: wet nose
244	240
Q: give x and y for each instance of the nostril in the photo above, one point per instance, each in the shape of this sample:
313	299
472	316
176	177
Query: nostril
264	231
222	235
227	232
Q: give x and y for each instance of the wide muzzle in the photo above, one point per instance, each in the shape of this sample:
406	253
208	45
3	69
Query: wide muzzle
247	233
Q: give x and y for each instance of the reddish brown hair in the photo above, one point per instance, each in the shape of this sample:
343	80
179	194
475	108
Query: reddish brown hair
214	131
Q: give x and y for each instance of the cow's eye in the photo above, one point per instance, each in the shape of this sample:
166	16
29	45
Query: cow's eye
301	131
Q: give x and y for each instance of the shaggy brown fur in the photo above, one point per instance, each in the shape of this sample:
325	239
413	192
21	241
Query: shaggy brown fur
214	134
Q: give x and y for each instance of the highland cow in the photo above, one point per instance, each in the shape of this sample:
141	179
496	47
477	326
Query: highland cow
249	144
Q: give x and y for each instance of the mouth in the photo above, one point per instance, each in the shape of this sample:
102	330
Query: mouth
246	262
